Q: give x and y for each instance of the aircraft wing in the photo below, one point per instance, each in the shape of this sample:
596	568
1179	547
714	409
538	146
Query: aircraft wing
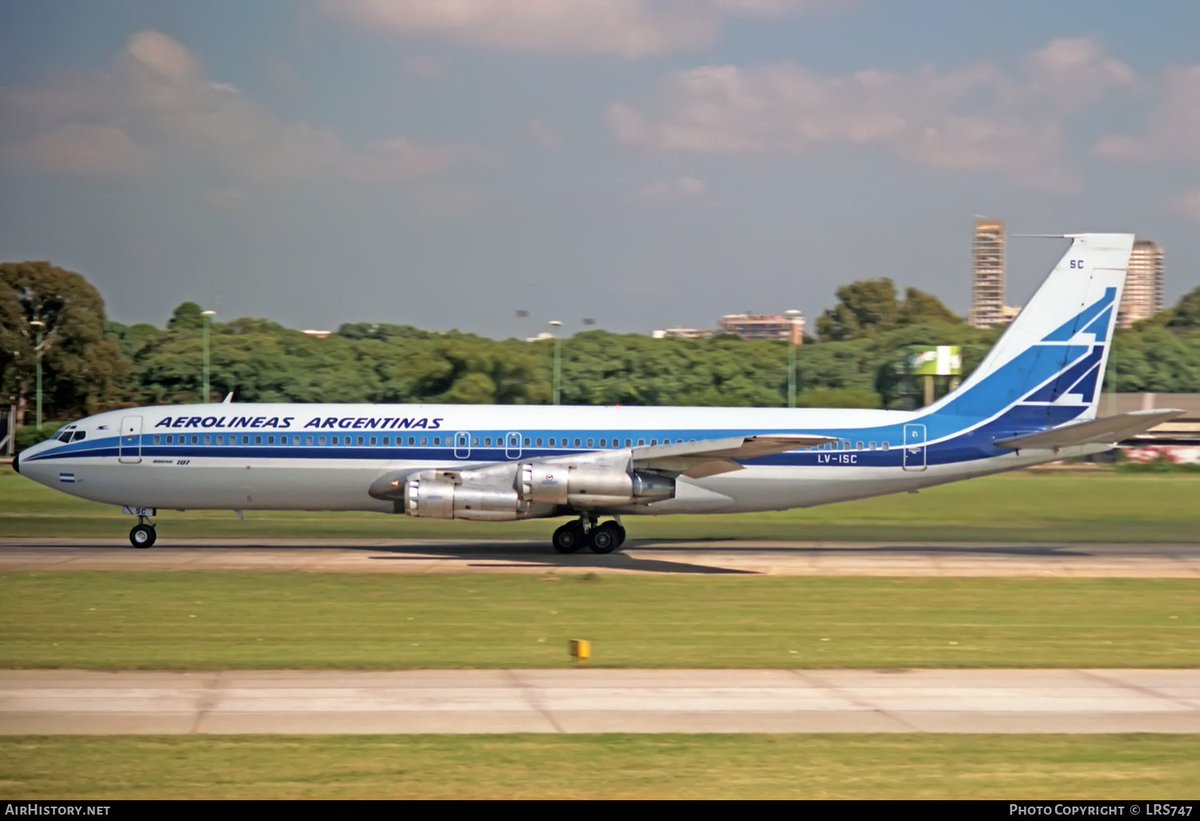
709	457
1108	429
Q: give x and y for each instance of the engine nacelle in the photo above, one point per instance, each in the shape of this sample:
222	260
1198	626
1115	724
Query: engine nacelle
585	486
430	496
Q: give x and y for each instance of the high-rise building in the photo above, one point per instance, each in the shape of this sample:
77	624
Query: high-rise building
1143	296
987	281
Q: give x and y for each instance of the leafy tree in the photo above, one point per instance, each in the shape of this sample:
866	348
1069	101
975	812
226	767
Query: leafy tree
919	306
80	367
863	306
1186	314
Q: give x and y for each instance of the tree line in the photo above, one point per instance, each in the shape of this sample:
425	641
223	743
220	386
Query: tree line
90	363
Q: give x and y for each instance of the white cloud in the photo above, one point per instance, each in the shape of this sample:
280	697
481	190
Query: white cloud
1172	129
1187	205
976	117
79	149
624	28
677	188
544	135
159	104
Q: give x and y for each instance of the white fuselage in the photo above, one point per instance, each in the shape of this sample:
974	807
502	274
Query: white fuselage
325	457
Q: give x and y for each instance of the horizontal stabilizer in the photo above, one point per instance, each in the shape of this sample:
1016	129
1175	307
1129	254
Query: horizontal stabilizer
1097	431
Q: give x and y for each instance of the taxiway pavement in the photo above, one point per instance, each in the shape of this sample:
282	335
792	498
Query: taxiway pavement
413	556
600	701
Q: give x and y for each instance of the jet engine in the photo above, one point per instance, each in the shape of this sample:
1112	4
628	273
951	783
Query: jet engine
430	496
585	486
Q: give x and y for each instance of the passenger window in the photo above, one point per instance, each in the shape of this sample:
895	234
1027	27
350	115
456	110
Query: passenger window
628	443
603	443
156	439
360	440
195	440
590	443
551	441
308	440
270	440
576	441
886	446
539	441
654	441
372	441
320	440
475	441
858	445
526	441
487	441
641	442
871	446
424	440
437	440
208	440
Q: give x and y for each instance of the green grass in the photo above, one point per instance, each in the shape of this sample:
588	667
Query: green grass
1060	507
1052	767
217	620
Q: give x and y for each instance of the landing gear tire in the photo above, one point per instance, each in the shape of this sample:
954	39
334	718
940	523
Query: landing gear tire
607	537
143	535
569	538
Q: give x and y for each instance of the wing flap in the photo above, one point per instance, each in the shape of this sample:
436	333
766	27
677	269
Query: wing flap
1097	431
710	457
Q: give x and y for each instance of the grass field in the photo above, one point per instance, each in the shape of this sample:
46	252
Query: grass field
1109	767
217	620
1056	507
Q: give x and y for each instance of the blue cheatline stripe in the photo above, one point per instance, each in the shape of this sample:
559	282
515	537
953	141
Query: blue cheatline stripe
966	446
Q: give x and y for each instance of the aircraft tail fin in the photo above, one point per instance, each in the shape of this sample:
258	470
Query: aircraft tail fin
1050	362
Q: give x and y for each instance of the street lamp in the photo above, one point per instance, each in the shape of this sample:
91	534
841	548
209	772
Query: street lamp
554	323
37	350
208	315
792	316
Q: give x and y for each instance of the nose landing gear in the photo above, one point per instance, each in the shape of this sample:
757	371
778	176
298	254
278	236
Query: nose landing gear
143	534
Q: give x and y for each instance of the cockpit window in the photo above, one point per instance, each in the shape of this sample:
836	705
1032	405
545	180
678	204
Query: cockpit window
79	434
65	436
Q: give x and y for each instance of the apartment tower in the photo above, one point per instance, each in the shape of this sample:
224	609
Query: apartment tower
1143	296
987	282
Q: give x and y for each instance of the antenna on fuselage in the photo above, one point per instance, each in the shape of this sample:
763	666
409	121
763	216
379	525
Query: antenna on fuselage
228	399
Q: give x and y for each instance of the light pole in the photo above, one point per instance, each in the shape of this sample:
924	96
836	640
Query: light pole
792	316
554	323
37	350
208	315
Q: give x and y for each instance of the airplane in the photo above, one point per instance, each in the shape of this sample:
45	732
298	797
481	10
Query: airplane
1032	400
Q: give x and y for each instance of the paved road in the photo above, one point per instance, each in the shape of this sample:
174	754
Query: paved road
605	701
696	557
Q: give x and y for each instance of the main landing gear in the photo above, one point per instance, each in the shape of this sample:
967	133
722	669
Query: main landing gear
143	533
601	538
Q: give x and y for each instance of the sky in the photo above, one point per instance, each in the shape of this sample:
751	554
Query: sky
644	163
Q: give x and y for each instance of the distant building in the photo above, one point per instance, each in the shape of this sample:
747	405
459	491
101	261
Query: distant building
318	334
1143	296
987	280
682	333
764	326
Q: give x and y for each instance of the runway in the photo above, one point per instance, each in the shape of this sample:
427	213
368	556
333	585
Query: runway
600	701
413	556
